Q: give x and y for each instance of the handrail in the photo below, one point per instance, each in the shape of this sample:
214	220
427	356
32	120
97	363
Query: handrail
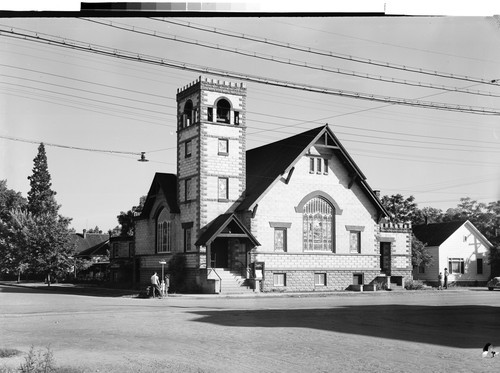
220	279
243	266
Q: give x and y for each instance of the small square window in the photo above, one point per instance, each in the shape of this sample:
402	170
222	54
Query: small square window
320	279
236	117
279	279
188	149
210	114
223	146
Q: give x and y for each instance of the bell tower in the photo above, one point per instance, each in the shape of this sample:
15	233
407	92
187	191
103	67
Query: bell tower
211	149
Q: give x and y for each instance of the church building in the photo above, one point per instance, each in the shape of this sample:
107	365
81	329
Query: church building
293	215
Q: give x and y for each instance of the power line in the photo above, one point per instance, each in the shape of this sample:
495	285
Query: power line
286	61
326	53
70	147
110	52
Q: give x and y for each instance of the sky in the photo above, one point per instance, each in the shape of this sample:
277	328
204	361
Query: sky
96	113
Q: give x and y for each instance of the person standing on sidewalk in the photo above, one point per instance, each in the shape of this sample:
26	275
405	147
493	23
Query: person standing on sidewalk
440	281
446	278
155	285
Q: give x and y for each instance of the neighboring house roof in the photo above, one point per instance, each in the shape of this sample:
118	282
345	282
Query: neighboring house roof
435	234
267	163
91	244
225	225
167	183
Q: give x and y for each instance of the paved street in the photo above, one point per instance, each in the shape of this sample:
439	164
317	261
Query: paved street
435	331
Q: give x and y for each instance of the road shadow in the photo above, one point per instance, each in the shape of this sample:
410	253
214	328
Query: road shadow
453	326
70	290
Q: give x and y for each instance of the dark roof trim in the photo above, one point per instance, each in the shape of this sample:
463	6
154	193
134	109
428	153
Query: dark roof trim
167	183
218	225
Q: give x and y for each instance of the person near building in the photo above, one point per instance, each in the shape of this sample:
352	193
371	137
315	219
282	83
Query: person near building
446	278
440	281
155	285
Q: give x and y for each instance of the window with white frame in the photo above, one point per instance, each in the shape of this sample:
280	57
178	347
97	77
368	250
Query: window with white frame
280	239
456	265
163	233
187	239
223	147
279	279
187	189
320	279
188	149
318	221
355	238
223	188
318	165
355	242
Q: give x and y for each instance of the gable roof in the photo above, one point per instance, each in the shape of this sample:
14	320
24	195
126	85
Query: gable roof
167	184
217	228
90	244
435	234
267	163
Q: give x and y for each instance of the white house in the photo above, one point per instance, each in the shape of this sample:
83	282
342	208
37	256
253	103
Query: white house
457	246
293	215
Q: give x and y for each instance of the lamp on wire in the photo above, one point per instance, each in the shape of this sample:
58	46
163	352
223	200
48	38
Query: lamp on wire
143	157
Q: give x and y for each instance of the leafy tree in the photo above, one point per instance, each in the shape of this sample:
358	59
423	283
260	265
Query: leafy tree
9	200
10	255
48	243
94	230
41	198
428	215
419	253
127	219
400	210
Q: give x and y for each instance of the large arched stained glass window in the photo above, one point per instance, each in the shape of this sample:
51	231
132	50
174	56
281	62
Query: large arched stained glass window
318	225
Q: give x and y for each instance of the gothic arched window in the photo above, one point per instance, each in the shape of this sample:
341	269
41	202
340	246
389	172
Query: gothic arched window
163	232
318	225
223	111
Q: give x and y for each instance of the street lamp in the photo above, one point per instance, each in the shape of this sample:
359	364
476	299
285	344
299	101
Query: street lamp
163	289
162	262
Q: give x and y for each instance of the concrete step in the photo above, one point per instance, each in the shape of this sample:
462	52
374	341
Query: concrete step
232	282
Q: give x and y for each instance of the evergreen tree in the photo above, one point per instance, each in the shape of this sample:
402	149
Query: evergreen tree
44	232
41	198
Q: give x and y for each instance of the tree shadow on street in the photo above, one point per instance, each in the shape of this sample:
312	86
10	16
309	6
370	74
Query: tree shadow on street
93	291
453	326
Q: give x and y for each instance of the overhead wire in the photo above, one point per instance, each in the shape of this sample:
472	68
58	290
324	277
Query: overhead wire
106	51
324	53
12	138
286	61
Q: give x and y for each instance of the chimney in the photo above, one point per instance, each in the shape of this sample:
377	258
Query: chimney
377	193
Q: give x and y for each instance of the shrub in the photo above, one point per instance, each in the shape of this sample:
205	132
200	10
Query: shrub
414	285
178	273
8	352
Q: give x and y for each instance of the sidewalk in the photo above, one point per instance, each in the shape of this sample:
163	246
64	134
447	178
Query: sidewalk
95	290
